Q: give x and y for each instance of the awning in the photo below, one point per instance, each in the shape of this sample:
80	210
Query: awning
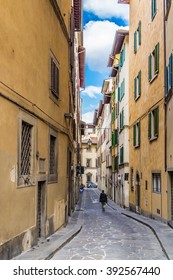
77	15
81	54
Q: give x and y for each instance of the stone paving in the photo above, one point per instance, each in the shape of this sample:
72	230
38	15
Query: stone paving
109	236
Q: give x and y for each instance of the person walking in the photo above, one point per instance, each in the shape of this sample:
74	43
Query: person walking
103	199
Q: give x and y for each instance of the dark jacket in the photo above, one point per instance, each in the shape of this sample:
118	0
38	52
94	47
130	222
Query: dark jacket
103	197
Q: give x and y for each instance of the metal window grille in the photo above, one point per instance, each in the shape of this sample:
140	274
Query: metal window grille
26	148
52	162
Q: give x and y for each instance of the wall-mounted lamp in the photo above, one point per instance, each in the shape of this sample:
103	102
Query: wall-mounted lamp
68	115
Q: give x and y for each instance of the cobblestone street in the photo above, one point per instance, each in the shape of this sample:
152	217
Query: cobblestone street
109	235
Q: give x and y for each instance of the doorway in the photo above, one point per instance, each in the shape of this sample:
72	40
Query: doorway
137	192
41	209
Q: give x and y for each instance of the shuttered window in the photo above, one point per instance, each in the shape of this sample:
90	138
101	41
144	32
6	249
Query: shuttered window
153	64
122	155
26	149
153	124
137	37
137	86
136	135
54	78
153	8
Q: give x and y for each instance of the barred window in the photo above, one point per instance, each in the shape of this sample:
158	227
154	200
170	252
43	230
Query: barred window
52	160
25	161
53	173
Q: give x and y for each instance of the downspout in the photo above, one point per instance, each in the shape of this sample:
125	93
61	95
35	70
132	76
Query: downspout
165	105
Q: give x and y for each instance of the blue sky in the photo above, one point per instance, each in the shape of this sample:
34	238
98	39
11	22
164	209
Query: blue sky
101	19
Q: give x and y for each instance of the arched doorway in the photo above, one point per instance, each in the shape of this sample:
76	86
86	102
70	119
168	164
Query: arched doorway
137	192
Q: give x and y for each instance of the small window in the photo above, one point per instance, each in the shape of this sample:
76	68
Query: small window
122	119
88	162
121	155
168	76
54	78
156	182
153	124
137	86
153	64
153	8
136	135
52	157
137	37
26	159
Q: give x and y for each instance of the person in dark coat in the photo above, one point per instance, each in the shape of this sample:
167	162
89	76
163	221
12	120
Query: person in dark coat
103	199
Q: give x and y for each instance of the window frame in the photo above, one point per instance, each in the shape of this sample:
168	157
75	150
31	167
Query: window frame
136	135
53	177
153	124
54	90
26	180
153	64
153	9
156	175
137	86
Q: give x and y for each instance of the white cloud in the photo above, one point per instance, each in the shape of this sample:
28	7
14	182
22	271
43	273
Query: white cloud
107	8
98	40
92	91
88	117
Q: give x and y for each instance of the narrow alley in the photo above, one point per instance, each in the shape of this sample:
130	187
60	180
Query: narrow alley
109	235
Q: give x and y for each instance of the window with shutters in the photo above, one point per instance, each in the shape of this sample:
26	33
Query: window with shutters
137	86
168	76
52	156
122	57
121	155
153	64
54	77
153	124
26	150
167	8
156	182
136	135
137	38
153	8
121	120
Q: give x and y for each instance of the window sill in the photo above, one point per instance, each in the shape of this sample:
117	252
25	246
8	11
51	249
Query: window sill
153	78
153	138
136	99
137	146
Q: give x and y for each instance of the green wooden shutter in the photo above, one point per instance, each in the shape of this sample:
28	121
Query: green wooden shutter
119	94
139	132
157	58
149	67
134	135
135	85
170	71
166	81
149	125
156	122
135	42
139	83
139	32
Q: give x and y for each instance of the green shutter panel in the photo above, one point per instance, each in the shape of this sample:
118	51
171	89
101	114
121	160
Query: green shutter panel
122	118
135	85
135	42
134	135
139	84
119	94
139	132
149	67
166	81
149	125
156	122
170	71
157	58
139	32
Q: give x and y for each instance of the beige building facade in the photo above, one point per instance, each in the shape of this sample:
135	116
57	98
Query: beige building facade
148	178
37	106
169	102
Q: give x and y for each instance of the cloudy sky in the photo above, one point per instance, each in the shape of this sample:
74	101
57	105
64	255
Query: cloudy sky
101	19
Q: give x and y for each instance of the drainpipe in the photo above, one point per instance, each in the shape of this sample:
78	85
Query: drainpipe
165	105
